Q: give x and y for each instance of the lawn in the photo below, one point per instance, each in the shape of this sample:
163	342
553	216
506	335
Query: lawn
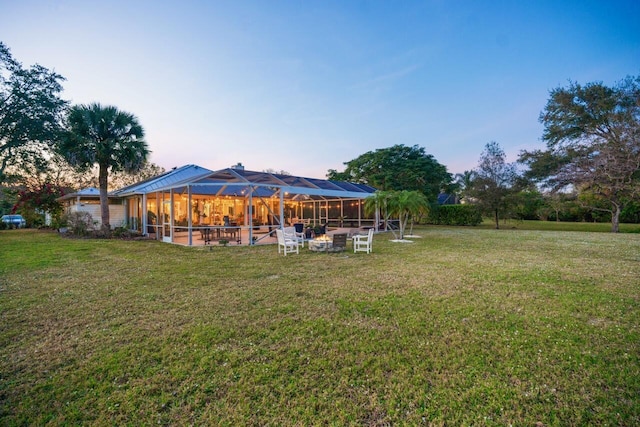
465	326
604	227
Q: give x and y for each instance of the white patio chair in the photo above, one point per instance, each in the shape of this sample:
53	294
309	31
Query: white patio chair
288	245
362	243
290	233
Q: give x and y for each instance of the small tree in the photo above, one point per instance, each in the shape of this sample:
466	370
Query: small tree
404	205
378	204
493	181
33	204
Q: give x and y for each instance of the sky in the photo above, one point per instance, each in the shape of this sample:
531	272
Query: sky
305	86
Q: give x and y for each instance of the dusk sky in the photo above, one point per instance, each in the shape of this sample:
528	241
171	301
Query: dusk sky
304	86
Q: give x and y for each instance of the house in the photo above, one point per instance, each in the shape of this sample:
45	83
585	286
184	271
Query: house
88	200
187	205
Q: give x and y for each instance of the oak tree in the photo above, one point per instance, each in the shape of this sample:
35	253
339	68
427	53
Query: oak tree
592	134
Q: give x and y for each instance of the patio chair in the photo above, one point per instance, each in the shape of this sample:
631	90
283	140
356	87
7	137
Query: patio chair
288	245
339	242
292	233
362	243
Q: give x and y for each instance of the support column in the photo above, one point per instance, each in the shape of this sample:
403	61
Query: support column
250	215
144	215
189	218
281	208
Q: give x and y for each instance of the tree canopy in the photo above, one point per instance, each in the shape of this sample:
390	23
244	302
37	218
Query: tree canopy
593	143
31	114
397	168
106	137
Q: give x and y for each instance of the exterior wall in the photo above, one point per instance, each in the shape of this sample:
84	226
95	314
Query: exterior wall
117	214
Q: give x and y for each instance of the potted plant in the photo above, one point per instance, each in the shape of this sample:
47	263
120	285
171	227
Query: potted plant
308	232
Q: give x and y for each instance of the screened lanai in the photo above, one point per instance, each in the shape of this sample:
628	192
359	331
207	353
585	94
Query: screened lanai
241	206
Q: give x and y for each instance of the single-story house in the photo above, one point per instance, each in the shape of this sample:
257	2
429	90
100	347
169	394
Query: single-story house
88	200
187	205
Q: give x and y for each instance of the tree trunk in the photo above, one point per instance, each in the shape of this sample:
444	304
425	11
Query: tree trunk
497	219
403	225
615	219
104	198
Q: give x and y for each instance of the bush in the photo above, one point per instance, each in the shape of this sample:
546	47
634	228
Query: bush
79	223
125	233
455	215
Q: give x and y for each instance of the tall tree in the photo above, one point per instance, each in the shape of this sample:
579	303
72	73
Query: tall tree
397	168
493	181
30	115
107	137
593	143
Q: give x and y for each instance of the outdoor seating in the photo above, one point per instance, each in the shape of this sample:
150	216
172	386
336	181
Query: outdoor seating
286	244
293	234
339	242
362	243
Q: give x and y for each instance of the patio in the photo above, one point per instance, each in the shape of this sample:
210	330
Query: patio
181	237
192	205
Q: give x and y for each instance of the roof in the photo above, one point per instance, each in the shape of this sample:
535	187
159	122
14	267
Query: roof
238	182
87	193
174	177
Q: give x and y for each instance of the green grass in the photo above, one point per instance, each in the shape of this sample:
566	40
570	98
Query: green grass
465	326
603	227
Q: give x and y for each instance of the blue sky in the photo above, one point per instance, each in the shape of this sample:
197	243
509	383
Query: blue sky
304	86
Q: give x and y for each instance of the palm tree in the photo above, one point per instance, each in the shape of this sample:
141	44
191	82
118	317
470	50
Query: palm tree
377	204
401	204
105	136
464	183
405	205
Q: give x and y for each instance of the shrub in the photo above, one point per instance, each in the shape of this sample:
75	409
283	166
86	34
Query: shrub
455	215
79	223
125	233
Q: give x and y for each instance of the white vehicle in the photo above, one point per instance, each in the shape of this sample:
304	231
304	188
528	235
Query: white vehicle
14	221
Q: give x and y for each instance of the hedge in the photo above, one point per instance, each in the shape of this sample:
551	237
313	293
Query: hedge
454	215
